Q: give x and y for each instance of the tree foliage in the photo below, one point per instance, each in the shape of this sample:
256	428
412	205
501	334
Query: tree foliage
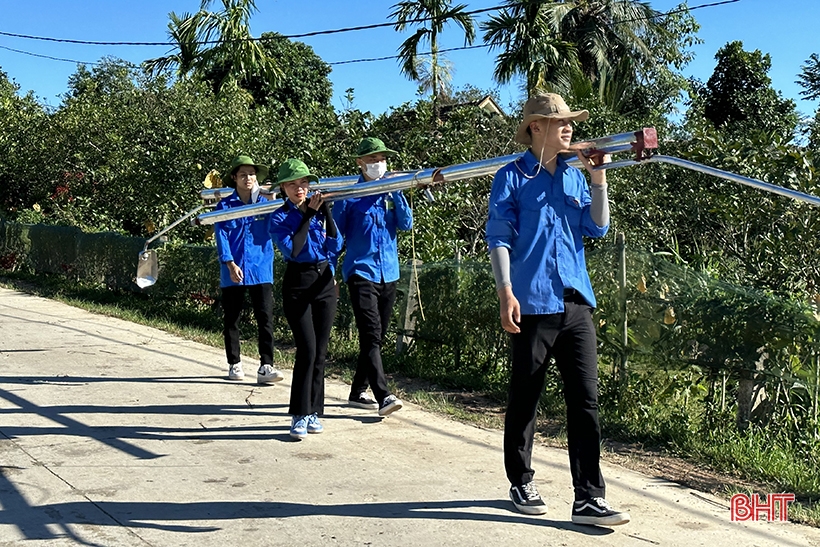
577	47
22	121
738	97
809	77
434	73
235	55
304	83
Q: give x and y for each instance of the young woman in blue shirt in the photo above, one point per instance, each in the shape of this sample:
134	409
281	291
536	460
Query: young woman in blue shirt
306	235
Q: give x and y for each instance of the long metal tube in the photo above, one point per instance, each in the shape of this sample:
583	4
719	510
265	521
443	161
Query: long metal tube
425	177
381	186
215	194
156	236
754	183
211	195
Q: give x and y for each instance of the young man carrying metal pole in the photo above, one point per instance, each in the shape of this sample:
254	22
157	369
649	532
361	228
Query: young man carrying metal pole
540	208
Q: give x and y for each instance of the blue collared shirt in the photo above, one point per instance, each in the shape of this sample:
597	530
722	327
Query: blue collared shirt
541	220
369	225
247	242
318	247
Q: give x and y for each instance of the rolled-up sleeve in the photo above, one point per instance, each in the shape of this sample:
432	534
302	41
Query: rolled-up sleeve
404	214
223	246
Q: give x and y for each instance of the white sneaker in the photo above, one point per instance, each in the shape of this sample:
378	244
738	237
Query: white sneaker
267	374
235	372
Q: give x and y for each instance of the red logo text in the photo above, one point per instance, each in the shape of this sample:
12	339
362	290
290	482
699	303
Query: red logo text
774	507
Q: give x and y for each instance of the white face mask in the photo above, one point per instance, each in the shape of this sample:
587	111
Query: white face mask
376	170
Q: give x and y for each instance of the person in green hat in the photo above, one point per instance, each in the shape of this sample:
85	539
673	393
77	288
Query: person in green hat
305	233
245	253
371	269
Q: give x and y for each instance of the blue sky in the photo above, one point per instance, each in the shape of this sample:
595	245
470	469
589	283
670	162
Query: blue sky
786	29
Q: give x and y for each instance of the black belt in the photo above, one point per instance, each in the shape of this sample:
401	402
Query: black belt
573	295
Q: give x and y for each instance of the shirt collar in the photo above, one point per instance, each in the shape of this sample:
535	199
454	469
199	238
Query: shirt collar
234	197
531	163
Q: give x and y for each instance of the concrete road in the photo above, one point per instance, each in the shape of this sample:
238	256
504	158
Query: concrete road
115	434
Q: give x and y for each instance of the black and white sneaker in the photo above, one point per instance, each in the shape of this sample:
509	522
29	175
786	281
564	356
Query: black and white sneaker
527	499
362	400
389	405
597	511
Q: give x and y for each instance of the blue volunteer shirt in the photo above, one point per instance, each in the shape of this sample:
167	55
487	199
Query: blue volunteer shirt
369	225
247	242
318	247
541	220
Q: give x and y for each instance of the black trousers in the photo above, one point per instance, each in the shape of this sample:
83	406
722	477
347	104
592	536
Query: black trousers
309	303
233	299
372	308
569	337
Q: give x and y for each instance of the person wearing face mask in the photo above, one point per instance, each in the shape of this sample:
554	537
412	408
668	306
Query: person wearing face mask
306	235
371	269
540	208
245	254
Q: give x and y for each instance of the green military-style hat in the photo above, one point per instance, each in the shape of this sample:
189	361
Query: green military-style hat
294	169
372	145
239	161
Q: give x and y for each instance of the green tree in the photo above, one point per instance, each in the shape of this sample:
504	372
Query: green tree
234	56
739	98
21	126
438	13
553	44
529	46
184	58
304	82
809	78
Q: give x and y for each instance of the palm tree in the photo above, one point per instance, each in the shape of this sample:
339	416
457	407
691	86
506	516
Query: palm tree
187	48
553	42
529	46
234	56
438	13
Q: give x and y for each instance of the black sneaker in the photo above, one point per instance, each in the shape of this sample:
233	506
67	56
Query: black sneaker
390	404
362	400
527	499
597	511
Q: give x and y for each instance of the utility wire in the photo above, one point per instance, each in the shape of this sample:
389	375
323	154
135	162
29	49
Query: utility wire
672	12
45	56
250	39
396	56
316	33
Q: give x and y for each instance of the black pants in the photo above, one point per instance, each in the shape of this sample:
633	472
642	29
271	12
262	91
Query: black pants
570	338
233	299
372	308
309	303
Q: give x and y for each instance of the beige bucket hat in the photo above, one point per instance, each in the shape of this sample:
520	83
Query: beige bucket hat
546	105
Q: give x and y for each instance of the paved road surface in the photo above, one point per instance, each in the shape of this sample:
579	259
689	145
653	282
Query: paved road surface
115	434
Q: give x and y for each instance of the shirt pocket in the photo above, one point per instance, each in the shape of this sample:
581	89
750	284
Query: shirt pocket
533	216
574	206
